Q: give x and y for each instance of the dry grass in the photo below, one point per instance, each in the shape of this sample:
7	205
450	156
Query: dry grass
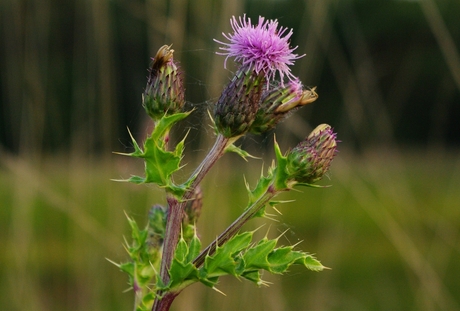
389	232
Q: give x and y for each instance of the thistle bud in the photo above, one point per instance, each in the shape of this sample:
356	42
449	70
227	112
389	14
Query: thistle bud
237	106
278	102
156	226
309	161
191	214
192	210
164	93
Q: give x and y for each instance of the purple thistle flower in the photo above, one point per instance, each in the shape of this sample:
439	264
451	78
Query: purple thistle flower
261	46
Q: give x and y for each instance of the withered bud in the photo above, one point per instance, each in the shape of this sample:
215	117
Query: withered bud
164	93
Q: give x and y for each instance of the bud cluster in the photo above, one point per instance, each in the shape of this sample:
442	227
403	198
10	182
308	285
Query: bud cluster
263	49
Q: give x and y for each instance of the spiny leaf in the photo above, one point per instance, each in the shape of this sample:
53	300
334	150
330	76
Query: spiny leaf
242	153
127	267
253	276
163	126
194	248
136	180
311	263
256	257
281	258
281	175
160	163
222	262
181	250
181	272
262	185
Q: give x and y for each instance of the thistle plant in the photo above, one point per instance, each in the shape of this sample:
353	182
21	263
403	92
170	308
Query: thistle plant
166	254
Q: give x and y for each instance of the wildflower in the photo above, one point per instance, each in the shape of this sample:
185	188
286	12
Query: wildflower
238	104
309	161
263	47
278	102
164	93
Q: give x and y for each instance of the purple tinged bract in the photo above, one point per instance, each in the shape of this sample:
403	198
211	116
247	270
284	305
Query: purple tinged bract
264	46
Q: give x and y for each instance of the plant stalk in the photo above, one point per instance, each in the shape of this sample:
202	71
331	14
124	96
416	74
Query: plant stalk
175	214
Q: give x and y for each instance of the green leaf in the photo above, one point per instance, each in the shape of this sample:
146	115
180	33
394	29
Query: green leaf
281	175
253	276
127	267
282	258
160	163
194	248
242	153
163	125
256	257
181	272
222	262
181	250
259	190
136	179
148	299
311	263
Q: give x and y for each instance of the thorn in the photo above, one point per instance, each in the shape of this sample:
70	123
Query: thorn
277	210
297	243
120	180
282	233
219	291
113	262
264	283
122	153
266	216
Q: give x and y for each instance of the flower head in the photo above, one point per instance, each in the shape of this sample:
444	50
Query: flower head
263	47
279	102
238	104
164	93
309	161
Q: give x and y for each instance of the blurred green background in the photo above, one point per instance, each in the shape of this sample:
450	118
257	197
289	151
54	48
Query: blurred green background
388	75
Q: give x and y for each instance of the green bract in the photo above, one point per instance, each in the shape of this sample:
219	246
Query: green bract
160	163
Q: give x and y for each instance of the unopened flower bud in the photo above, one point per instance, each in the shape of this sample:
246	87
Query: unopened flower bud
192	210
164	93
237	106
309	161
156	226
278	102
